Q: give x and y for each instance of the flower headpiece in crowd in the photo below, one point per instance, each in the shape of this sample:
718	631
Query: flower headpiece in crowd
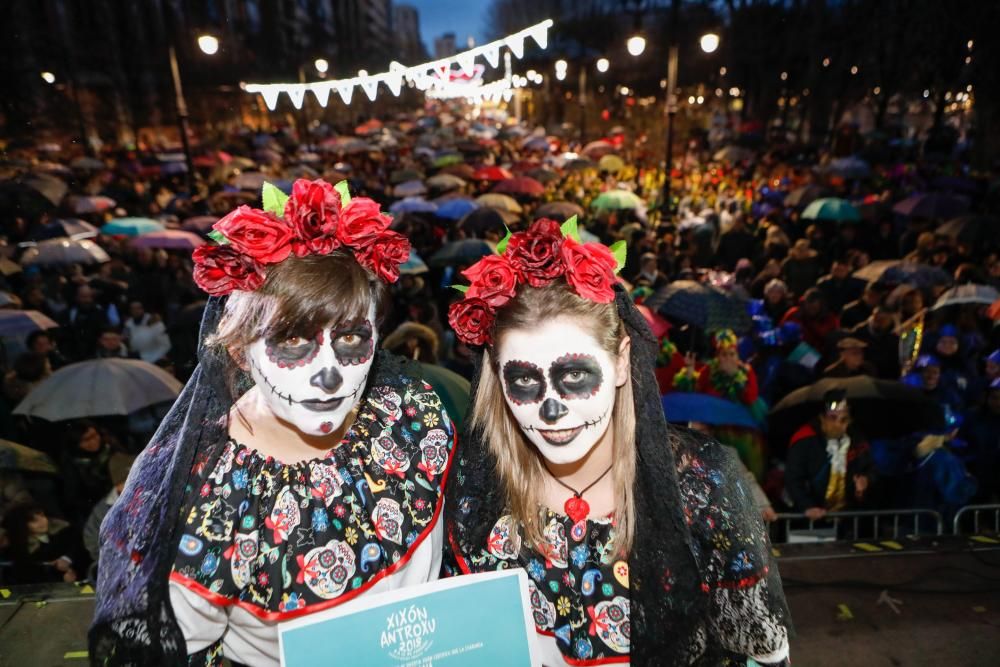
316	219
536	257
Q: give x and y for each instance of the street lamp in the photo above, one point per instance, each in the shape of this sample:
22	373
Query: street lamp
709	42
322	66
636	45
561	66
603	64
48	77
209	44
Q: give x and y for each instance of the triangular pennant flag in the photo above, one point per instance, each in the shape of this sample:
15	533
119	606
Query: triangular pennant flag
322	93
492	54
345	89
370	86
507	94
394	82
540	33
297	94
443	70
516	44
467	61
270	95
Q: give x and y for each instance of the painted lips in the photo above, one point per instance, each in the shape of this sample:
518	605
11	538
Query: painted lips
328	405
562	437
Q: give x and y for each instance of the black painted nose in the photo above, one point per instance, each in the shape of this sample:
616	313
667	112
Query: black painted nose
328	379
552	411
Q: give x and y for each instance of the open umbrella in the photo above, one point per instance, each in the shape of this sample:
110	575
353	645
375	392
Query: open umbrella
32	194
521	185
683	407
491	174
937	205
500	202
413	266
611	163
580	164
613	200
971	229
18	458
543	175
64	251
463	171
559	210
477	223
850	168
64	227
131	227
801	197
413	205
456	209
200	224
898	272
596	149
251	181
536	144
879	408
732	154
99	387
456	253
445	182
403	175
18	323
447	159
171	239
704	306
963	294
831	208
409	189
84	163
95	204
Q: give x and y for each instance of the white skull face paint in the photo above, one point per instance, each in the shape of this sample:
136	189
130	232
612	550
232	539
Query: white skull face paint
314	383
560	386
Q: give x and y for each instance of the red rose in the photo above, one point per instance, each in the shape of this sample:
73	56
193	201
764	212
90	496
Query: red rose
258	234
384	255
472	320
361	222
220	269
493	280
590	270
535	253
313	211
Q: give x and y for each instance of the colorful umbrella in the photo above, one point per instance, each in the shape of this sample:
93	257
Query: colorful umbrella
683	407
18	323
500	202
413	205
19	458
96	204
596	149
937	205
491	174
200	224
64	251
409	189
448	159
616	200
521	185
850	168
456	209
413	266
611	163
170	239
131	227
831	208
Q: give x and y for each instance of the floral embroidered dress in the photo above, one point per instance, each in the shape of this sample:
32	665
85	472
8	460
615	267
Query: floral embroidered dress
580	588
263	542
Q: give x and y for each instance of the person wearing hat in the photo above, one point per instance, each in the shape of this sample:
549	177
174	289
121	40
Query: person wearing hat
956	373
852	360
829	467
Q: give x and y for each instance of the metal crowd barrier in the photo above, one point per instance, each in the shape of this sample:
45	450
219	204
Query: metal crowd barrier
875	519
975	511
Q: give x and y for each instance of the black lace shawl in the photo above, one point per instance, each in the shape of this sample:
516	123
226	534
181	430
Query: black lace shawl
134	624
686	625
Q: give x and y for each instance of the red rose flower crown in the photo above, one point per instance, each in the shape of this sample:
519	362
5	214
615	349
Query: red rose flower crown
535	257
316	219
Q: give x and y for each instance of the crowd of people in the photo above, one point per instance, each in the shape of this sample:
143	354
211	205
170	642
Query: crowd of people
805	295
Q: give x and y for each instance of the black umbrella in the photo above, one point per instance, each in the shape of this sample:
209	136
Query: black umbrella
482	220
703	305
802	197
31	194
972	229
458	253
559	210
879	408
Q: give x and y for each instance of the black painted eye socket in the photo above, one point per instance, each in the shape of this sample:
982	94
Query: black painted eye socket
294	350
524	382
353	344
576	376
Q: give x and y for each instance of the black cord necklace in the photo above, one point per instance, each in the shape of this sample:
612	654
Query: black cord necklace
576	507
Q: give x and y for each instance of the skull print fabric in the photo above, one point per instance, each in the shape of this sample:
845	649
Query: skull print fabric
285	540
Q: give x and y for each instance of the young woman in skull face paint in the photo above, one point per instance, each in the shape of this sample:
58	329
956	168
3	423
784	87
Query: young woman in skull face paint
641	541
298	469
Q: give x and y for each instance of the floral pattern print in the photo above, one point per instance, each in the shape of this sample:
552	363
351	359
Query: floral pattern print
283	540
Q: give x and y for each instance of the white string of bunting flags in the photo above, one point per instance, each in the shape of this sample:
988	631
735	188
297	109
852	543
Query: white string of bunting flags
435	74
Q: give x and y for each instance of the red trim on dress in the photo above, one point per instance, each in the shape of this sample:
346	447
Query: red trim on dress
275	616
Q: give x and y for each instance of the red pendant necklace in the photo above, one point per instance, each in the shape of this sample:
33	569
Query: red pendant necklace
576	507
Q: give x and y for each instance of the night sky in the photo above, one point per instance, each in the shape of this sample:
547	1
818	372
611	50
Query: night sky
463	17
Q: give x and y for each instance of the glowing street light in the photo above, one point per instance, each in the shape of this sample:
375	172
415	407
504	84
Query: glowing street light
636	45
603	64
709	42
48	77
561	66
321	65
209	44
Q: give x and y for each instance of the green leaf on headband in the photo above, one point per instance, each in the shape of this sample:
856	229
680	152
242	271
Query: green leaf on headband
461	288
218	237
345	193
570	229
274	199
502	246
619	250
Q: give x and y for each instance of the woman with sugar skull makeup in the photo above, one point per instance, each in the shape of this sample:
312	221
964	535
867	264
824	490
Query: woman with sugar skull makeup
299	468
642	542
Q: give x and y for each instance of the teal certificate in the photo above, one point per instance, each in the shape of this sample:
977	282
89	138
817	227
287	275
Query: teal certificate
479	619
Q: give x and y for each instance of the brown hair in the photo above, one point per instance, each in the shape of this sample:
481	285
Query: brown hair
519	464
300	296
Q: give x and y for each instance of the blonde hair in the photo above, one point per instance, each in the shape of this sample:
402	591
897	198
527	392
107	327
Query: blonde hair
519	465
